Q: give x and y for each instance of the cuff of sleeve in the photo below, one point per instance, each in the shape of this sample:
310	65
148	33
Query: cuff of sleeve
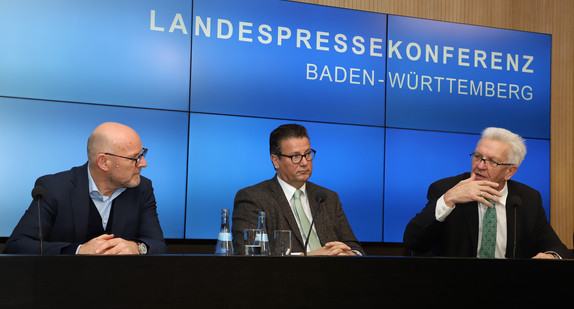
442	211
555	254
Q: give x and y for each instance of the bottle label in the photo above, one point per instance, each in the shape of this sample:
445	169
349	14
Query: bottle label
264	236
224	237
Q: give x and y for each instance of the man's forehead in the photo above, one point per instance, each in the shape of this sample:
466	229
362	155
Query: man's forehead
295	142
491	147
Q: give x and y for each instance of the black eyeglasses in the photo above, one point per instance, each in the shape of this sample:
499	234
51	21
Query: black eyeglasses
137	159
296	159
476	158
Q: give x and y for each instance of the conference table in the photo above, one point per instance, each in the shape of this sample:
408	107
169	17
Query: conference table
208	281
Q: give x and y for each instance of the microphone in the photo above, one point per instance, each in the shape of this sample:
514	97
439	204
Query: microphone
319	197
515	201
38	193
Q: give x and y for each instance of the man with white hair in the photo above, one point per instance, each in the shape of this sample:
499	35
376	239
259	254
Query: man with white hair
483	213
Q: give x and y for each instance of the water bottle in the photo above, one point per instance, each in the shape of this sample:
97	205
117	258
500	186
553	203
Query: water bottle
262	226
224	244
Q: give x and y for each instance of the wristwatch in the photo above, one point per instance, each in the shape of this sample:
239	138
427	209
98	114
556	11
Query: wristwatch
142	247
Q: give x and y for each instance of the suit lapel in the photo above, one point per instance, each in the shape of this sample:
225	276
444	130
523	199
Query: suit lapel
471	212
510	216
121	211
316	211
80	203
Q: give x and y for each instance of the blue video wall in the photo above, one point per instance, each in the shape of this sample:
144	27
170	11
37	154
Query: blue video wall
391	103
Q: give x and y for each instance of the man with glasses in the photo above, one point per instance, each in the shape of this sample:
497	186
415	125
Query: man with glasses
483	213
291	202
102	207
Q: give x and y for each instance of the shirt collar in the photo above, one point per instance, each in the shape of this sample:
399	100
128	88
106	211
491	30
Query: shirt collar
289	190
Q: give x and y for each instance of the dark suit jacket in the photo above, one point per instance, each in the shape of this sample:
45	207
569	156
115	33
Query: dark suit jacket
330	220
65	210
457	236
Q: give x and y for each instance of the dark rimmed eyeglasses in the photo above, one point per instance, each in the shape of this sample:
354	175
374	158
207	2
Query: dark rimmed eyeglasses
476	158
137	159
296	159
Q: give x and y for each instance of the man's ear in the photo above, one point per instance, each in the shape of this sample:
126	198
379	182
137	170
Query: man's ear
511	172
102	162
275	161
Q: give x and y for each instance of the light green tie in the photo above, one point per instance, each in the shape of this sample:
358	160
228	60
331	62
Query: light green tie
314	243
488	242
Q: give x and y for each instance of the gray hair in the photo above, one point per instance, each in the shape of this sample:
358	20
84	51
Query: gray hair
517	145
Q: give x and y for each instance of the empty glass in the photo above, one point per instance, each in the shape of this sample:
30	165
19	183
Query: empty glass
282	245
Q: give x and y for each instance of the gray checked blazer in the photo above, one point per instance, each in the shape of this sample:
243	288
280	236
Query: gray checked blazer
330	220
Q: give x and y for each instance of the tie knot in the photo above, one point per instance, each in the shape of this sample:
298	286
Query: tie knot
297	194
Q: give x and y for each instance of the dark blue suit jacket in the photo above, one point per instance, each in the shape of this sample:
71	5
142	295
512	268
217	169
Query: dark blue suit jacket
457	236
65	215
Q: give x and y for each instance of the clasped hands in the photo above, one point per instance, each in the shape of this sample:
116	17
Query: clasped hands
333	248
106	244
470	190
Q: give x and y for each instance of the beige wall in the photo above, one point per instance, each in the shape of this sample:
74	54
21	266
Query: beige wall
545	16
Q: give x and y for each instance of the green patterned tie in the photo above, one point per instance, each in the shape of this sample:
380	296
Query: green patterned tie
488	242
314	243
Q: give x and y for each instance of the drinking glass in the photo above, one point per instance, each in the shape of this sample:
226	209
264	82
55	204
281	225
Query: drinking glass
282	242
252	242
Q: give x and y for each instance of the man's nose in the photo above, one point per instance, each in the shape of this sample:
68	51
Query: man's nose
481	164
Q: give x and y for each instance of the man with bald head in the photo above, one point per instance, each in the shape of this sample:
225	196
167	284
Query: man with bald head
102	207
